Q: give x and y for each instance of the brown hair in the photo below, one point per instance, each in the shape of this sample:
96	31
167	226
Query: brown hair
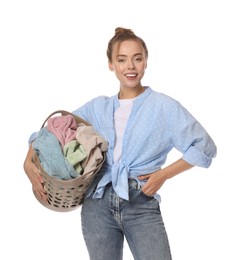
123	34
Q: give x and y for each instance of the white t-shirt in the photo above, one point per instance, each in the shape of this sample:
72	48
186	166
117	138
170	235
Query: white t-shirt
121	117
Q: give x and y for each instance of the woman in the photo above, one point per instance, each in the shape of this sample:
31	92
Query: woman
141	127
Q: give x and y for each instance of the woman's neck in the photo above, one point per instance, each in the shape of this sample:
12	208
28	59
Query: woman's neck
128	93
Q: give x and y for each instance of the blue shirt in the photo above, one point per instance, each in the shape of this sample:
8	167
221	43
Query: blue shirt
157	124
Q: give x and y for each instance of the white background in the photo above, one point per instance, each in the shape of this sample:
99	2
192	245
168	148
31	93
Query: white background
53	56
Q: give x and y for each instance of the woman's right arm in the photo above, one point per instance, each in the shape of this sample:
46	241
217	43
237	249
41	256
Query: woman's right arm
34	175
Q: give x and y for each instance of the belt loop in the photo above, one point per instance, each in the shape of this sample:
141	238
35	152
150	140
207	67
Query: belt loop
137	185
134	183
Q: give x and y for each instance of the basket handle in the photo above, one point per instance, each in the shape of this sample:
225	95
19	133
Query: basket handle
64	113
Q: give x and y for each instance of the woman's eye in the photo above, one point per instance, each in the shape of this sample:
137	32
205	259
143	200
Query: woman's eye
121	60
138	59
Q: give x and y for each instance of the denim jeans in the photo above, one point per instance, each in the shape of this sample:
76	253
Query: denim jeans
106	221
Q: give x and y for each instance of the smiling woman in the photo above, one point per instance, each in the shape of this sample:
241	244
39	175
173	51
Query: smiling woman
141	127
127	56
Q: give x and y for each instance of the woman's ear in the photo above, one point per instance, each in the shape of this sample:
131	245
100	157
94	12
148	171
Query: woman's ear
110	65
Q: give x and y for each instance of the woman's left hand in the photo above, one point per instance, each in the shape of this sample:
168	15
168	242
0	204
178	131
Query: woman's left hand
154	182
156	179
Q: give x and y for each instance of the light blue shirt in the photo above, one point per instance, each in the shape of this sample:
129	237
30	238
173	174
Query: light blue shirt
157	124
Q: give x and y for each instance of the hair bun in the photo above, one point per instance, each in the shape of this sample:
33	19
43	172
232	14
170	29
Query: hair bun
121	30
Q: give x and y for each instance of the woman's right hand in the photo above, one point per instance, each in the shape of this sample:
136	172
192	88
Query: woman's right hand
34	175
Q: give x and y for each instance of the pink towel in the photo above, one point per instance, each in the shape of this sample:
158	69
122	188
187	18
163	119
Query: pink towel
63	127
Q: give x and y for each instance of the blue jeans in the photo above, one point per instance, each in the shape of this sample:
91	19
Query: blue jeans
106	221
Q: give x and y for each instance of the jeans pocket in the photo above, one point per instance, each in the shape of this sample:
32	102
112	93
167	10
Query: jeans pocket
146	196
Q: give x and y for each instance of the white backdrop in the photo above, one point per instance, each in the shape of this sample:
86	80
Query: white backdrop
53	56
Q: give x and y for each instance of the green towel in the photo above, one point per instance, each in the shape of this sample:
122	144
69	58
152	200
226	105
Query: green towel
75	154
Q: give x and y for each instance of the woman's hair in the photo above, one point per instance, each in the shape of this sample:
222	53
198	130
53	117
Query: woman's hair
123	34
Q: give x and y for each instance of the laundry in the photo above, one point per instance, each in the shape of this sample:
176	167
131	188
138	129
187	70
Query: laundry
67	150
75	154
94	146
63	127
50	154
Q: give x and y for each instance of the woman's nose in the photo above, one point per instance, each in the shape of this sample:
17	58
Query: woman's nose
131	65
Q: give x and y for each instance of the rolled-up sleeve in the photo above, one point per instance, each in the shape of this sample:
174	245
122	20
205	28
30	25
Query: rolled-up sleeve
190	138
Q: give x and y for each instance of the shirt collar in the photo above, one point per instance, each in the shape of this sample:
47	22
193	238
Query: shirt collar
138	99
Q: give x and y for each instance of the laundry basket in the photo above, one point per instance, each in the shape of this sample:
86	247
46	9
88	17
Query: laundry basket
65	195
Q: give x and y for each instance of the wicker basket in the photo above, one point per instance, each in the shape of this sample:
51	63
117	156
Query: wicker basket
65	195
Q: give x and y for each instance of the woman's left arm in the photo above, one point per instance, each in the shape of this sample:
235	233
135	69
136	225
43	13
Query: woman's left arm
156	179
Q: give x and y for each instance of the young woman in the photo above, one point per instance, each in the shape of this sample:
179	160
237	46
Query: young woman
141	127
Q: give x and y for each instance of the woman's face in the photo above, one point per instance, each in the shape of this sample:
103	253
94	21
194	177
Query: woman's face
129	63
